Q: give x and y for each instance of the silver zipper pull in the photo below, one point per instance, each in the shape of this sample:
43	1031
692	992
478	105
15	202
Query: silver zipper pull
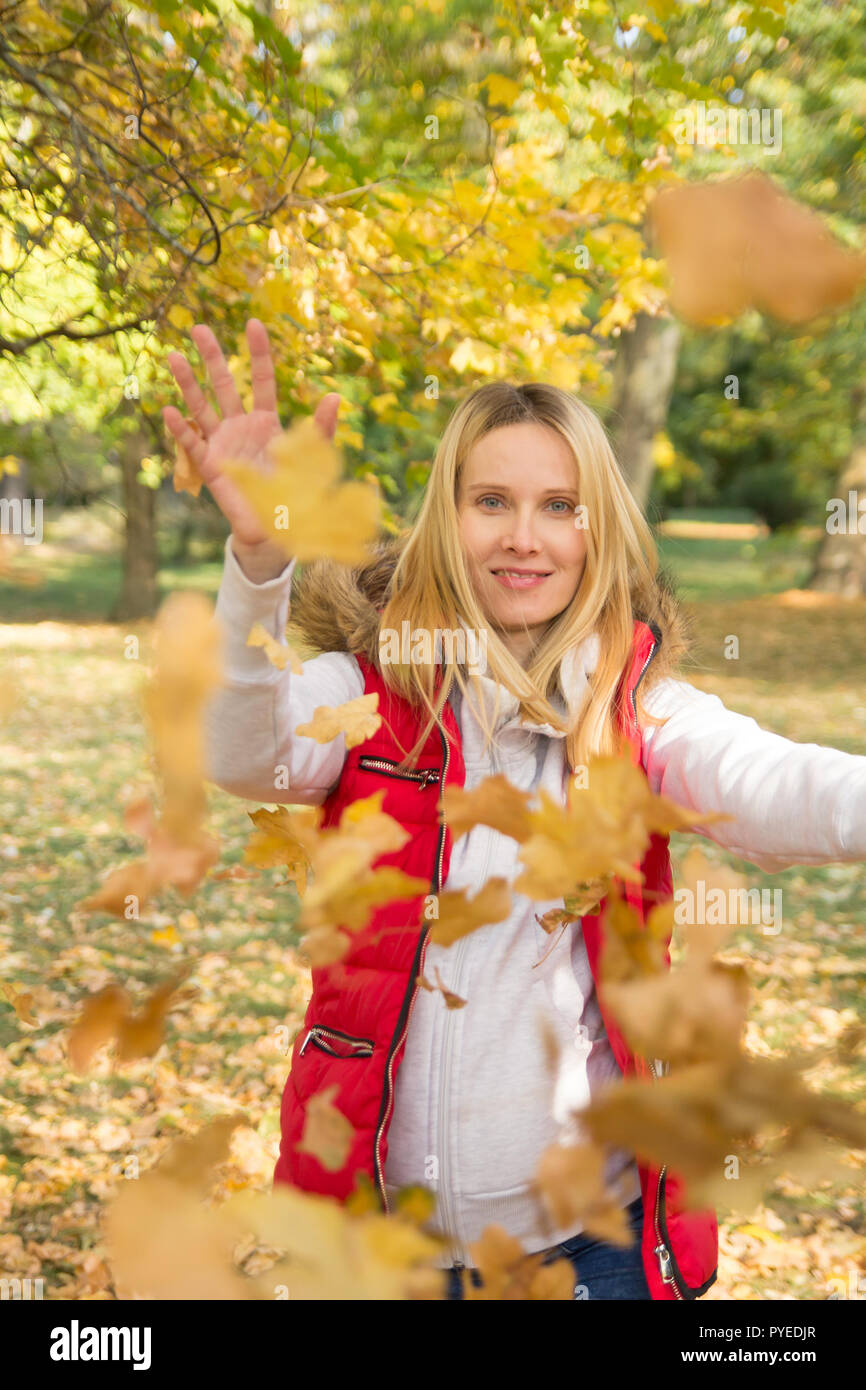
304	1043
664	1258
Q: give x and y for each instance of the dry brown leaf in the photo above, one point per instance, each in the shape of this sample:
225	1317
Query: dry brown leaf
452	1000
735	243
695	1119
631	949
692	1014
570	1179
107	1017
134	881
508	1273
186	476
328	1134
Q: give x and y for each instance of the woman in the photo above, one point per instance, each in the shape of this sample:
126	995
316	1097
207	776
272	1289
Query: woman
529	538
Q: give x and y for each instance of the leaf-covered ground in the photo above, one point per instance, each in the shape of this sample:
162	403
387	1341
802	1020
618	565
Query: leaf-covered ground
74	751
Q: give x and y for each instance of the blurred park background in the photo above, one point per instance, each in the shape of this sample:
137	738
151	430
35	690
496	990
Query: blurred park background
414	199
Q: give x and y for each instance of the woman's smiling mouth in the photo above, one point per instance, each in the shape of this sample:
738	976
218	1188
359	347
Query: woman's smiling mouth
520	579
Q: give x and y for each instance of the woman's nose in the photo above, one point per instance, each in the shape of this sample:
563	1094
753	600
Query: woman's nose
520	534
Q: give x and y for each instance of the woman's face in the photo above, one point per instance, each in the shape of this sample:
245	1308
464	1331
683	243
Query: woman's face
516	503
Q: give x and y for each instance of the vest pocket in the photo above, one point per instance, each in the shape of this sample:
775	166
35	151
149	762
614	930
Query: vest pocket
422	776
335	1043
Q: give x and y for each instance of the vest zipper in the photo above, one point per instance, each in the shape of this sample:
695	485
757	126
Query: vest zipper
412	988
661	1251
460	948
318	1036
425	777
656	632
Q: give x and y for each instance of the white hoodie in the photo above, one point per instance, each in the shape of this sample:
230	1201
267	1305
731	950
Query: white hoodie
475	1105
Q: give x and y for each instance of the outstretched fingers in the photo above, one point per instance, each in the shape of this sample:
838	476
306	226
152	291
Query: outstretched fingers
222	380
197	402
326	412
261	367
185	434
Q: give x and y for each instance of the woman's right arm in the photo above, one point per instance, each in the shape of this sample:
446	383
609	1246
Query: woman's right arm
251	748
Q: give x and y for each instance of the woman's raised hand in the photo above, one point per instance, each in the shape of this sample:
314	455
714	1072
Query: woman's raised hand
237	434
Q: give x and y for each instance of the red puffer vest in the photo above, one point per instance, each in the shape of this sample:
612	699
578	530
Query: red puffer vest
355	1028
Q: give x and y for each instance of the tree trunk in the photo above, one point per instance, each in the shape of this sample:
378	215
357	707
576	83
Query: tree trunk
841	564
643	381
139	595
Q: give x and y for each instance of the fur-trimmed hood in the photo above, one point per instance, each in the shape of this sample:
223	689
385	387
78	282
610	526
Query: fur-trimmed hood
336	607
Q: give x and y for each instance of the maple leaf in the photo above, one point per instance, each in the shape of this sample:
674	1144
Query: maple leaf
507	1272
356	719
603	830
302	505
179	851
278	654
345	890
107	1017
633	949
459	915
570	1179
187	669
495	802
162	1241
284	837
134	880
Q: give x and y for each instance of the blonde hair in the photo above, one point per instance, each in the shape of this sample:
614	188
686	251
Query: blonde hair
430	587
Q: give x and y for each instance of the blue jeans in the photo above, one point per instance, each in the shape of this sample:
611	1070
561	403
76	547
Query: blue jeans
601	1270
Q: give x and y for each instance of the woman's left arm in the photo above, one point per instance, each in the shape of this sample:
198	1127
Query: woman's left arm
790	803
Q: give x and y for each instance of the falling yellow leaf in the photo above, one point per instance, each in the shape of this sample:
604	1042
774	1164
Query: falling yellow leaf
495	802
356	719
570	1178
507	1272
186	476
107	1017
459	915
278	654
301	503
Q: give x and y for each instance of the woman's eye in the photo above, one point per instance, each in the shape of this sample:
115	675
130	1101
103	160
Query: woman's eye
559	502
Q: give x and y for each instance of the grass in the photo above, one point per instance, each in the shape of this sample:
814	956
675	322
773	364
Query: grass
74	748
